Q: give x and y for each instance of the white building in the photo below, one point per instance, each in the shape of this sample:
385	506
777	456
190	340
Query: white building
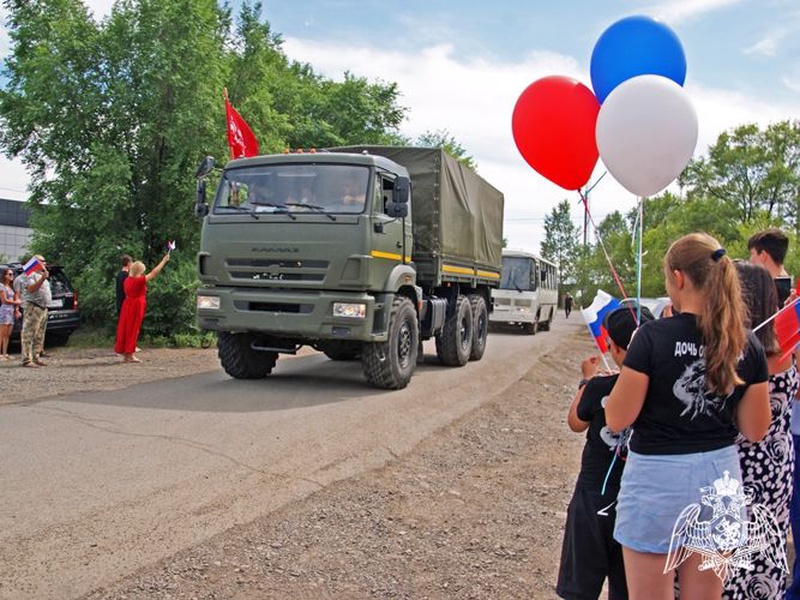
14	231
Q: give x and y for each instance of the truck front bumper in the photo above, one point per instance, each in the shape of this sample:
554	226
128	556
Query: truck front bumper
302	315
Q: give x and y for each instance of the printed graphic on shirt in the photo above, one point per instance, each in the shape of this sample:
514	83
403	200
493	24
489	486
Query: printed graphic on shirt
611	439
690	389
724	539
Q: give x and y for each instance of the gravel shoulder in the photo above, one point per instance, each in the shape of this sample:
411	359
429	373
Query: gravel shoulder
475	511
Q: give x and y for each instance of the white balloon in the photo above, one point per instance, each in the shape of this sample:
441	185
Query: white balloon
646	133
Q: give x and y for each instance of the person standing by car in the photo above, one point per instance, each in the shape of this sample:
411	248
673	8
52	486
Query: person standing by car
9	305
568	302
34	287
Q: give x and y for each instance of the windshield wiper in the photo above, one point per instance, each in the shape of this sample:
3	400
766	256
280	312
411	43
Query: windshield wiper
315	207
252	211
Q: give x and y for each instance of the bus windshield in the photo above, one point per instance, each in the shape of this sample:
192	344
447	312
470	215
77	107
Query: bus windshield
516	274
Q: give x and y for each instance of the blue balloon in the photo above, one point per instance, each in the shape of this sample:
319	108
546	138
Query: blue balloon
635	46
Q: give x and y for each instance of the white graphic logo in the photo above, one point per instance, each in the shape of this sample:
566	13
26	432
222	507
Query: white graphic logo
724	539
691	389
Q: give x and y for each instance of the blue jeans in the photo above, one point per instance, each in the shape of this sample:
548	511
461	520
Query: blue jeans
793	593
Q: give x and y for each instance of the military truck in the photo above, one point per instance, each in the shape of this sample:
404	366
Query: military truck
359	252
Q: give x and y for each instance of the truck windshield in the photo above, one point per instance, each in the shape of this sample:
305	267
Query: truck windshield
327	188
516	274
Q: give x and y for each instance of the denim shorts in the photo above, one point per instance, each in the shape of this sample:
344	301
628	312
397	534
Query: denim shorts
657	488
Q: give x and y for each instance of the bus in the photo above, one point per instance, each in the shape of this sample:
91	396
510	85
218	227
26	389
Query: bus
528	293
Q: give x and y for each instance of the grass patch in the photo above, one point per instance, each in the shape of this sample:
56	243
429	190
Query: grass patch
100	337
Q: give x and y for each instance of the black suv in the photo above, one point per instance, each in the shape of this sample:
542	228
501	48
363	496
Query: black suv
63	317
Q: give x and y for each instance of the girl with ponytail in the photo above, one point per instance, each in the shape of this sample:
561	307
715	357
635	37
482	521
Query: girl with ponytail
689	384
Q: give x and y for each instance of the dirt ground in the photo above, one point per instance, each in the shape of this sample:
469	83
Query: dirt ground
475	511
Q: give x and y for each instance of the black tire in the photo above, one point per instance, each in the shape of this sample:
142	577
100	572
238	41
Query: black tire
480	326
56	339
545	325
530	328
240	360
389	365
454	343
342	350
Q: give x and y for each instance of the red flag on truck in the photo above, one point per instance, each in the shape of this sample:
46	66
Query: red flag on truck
240	137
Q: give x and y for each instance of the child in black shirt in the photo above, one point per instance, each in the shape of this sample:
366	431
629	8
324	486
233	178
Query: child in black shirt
589	553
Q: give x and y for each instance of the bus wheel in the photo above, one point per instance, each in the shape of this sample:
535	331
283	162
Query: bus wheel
530	328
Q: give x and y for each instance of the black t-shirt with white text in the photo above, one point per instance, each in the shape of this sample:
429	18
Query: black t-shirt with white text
679	414
601	443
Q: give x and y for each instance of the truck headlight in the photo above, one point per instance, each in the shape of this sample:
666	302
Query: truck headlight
349	309
211	302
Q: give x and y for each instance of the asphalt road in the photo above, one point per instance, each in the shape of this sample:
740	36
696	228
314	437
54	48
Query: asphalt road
95	486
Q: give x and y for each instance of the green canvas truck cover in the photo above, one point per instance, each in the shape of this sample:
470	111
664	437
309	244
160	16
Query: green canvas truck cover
457	214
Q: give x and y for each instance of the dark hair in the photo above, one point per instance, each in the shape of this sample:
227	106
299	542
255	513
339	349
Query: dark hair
761	299
620	323
7	270
722	320
772	241
126	259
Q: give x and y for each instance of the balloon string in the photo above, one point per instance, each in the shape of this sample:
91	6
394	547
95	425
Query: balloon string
602	245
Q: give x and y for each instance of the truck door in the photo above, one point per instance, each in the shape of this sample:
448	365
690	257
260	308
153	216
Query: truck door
387	232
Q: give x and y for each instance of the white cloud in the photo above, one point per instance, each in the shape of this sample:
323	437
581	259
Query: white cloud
675	11
766	46
793	83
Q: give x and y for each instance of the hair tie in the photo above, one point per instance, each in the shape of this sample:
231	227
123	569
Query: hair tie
717	254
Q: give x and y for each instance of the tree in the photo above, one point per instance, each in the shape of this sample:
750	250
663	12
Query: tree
755	171
111	119
560	244
441	138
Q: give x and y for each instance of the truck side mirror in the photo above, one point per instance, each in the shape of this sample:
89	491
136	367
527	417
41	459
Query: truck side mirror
396	210
204	168
402	188
201	206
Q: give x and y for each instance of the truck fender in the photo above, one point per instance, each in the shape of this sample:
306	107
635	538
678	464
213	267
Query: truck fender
403	276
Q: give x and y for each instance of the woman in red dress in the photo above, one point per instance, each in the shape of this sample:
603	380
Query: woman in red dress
133	308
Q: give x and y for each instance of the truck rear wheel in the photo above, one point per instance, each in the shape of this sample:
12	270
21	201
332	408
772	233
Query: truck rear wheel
240	360
454	343
480	326
389	365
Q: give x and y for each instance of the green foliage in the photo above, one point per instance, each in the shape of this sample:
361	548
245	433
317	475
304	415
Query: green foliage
441	138
560	243
111	119
752	170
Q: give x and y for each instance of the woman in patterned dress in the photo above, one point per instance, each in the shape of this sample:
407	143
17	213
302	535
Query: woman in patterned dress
768	465
7	307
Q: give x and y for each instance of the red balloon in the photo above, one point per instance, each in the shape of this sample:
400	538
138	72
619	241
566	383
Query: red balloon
554	124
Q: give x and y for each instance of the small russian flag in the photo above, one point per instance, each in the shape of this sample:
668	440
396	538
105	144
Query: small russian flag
32	266
602	304
787	328
170	246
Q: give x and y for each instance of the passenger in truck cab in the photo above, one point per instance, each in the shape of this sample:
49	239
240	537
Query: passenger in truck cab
353	195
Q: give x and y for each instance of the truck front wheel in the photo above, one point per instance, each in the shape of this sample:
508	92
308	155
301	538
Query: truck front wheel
454	343
389	365
240	360
480	326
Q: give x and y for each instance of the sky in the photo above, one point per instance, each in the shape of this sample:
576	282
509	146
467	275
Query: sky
461	65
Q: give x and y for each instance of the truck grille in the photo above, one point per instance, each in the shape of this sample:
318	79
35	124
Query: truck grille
277	269
275	307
